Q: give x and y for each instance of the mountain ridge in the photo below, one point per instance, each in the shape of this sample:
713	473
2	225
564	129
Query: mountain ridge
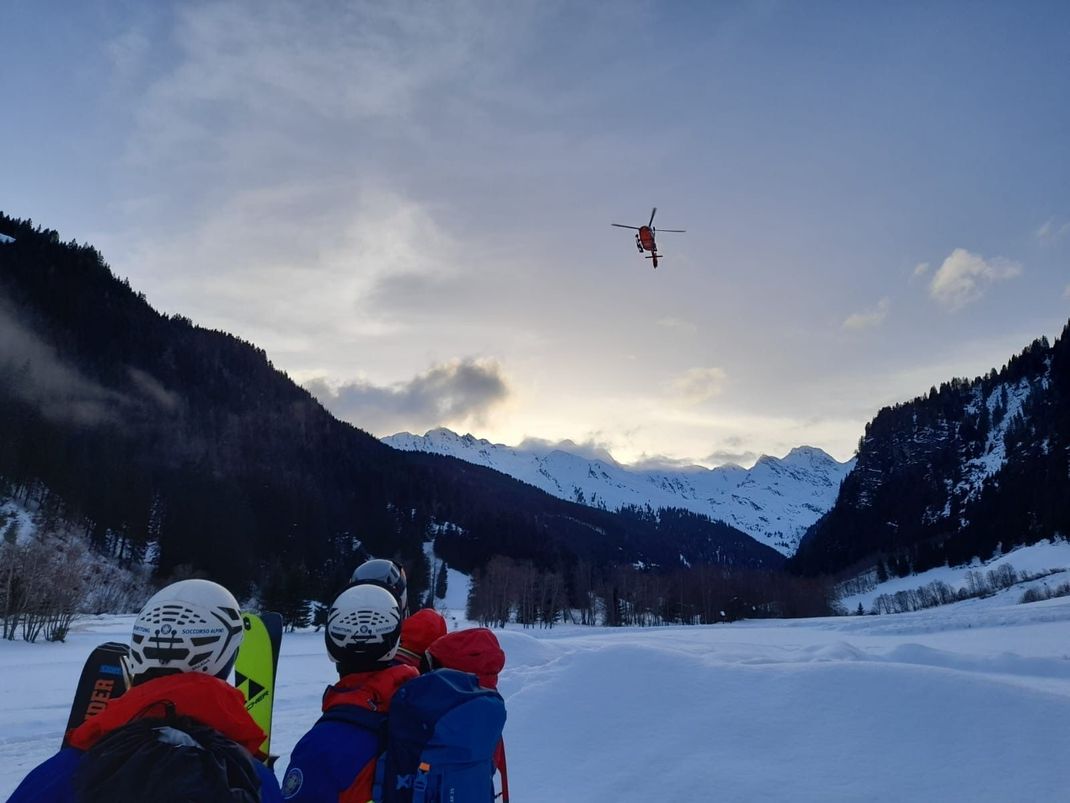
774	501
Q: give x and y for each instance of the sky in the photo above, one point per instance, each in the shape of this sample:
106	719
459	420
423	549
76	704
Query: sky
408	205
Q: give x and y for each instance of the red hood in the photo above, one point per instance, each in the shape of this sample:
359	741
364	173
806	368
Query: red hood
417	633
476	650
370	690
206	699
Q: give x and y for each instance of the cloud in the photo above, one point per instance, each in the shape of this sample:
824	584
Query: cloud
1052	231
963	277
722	456
34	372
304	283
151	388
922	269
589	449
699	384
1066	292
449	393
678	324
127	54
661	462
284	174
870	318
267	89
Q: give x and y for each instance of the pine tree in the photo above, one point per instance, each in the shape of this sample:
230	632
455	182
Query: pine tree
440	582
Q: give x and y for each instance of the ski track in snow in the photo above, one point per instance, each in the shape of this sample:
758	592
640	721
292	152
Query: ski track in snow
966	702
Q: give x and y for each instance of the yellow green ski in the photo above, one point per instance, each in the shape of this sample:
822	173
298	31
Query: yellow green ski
255	669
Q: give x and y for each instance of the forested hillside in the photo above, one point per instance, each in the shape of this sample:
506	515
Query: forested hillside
972	467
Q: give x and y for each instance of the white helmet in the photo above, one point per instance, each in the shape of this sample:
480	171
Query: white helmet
189	626
363	628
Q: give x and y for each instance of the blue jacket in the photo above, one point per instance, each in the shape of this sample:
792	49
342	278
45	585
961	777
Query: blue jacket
335	761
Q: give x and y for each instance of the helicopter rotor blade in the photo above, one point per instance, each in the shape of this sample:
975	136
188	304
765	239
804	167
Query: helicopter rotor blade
674	231
653	212
622	226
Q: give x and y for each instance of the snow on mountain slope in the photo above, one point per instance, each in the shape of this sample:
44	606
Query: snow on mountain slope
1004	405
774	502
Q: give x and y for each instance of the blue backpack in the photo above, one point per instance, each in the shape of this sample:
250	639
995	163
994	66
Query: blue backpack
442	731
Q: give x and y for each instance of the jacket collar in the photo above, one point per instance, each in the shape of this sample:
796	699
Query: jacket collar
370	690
203	698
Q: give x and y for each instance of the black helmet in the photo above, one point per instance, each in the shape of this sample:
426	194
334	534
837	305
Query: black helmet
385	573
363	629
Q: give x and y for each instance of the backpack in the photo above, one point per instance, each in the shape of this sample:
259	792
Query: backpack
442	731
172	760
478	651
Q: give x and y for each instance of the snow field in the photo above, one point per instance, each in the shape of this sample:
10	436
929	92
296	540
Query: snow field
963	702
1039	558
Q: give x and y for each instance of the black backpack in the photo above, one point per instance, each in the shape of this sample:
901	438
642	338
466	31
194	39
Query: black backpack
172	760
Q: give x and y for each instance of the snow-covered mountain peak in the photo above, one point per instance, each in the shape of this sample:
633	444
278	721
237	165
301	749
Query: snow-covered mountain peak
800	456
811	454
775	501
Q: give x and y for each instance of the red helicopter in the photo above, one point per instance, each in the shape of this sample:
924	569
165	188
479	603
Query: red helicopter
644	238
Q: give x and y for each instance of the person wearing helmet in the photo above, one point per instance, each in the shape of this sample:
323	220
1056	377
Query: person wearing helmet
418	630
385	573
180	724
336	759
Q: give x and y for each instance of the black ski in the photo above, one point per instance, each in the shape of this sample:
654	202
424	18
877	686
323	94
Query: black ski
103	679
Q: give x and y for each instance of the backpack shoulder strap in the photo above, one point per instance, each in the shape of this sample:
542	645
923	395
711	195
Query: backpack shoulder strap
373	721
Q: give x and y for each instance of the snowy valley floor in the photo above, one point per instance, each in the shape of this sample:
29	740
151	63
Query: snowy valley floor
968	702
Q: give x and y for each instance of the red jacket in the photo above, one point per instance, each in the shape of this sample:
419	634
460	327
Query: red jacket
206	699
371	691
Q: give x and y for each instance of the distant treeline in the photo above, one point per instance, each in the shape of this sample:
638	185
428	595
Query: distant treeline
513	591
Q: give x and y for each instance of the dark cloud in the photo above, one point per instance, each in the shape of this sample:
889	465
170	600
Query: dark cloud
455	392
